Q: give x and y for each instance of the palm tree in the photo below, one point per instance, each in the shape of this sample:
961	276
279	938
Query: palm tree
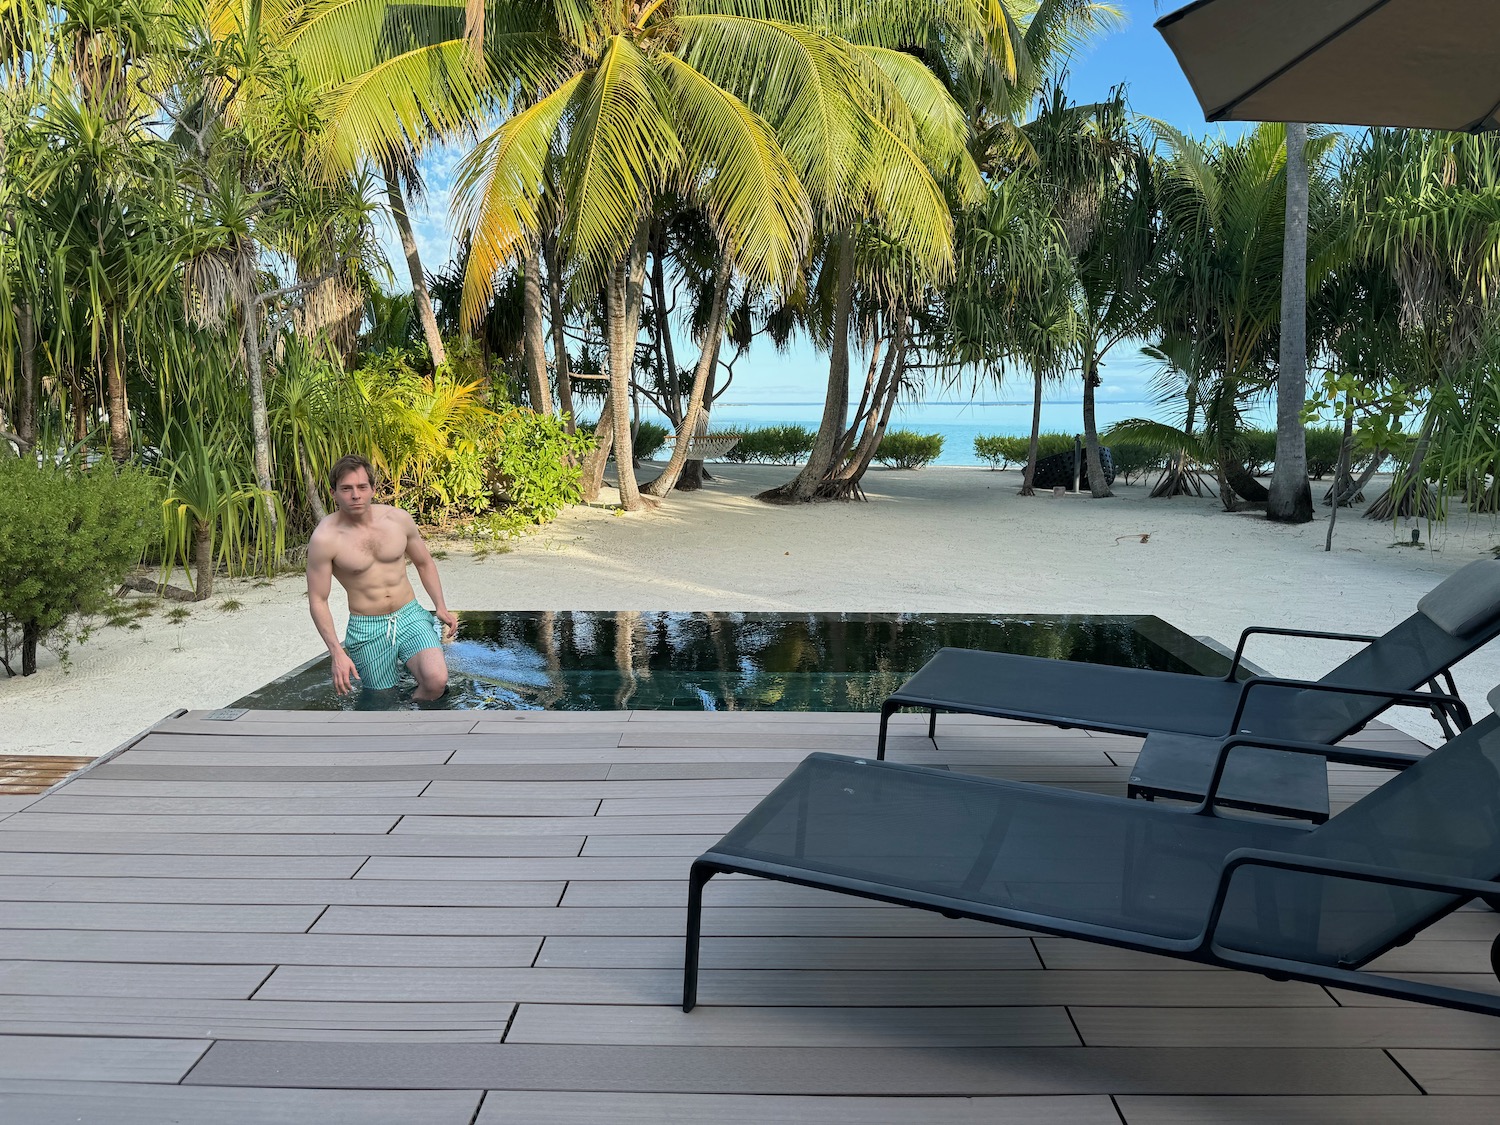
1290	499
642	100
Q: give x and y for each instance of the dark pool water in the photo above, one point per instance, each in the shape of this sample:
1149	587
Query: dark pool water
589	661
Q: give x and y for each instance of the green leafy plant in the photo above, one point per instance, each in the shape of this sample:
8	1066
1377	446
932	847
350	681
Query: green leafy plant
67	538
1323	444
907	449
212	514
539	466
649	440
774	445
1257	448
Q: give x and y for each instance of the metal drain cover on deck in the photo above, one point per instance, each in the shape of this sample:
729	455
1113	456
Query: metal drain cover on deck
225	714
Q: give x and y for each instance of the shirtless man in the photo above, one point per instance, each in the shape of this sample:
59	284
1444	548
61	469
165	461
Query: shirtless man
366	546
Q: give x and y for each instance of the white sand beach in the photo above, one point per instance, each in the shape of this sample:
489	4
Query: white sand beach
945	539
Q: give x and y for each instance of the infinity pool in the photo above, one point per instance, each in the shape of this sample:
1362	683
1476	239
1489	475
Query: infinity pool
590	661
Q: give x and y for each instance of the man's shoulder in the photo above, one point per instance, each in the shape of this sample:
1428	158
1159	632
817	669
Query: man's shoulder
392	514
326	533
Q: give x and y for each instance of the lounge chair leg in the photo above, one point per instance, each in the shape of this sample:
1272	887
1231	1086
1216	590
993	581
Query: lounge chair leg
700	874
932	725
886	711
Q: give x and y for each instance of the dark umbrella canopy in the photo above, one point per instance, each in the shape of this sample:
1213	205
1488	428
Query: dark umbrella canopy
1432	64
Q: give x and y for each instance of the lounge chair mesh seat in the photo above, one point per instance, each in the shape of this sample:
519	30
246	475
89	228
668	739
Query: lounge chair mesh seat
1135	874
1458	616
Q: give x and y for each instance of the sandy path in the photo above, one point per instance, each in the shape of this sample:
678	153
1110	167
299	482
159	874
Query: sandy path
939	539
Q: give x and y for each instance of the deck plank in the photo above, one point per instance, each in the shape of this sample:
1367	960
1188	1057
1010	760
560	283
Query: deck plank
505	1107
298	844
281	892
123	1103
114	978
622	1024
187	947
773	988
894	1072
97	1058
1324	1110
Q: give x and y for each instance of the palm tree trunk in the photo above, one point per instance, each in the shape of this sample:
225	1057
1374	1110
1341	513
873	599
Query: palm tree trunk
534	347
673	397
593	465
559	333
1098	487
414	265
203	556
707	360
622	300
119	409
26	404
805	485
1036	435
260	422
1290	495
882	403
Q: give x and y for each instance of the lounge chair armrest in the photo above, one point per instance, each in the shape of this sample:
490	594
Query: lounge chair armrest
1427	699
1344	755
1277	631
1340	869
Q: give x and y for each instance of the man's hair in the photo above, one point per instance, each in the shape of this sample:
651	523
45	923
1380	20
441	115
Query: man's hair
346	465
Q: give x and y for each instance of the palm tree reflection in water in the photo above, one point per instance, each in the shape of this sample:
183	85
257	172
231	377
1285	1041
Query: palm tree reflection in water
596	660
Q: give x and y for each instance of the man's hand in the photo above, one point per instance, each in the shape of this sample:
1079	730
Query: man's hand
343	670
450	622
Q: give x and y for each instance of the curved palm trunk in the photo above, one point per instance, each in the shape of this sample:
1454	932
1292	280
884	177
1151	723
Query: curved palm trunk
534	347
882	402
622	301
1097	485
1036	434
707	359
593	465
414	266
805	485
1290	498
310	482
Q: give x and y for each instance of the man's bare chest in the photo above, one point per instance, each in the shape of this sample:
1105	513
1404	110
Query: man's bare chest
359	551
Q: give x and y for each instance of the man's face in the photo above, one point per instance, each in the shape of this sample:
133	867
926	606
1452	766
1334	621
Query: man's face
354	493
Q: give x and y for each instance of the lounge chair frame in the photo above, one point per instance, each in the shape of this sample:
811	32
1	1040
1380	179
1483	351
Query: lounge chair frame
1203	947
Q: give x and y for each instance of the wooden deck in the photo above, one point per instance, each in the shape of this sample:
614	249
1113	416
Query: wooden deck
476	918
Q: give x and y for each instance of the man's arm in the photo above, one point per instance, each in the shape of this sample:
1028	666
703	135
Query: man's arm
427	571
320	551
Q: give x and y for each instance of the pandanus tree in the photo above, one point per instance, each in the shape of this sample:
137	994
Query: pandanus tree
1223	211
1099	183
1009	306
1426	208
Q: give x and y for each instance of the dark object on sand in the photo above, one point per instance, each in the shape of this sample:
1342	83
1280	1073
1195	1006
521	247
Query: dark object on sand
1058	470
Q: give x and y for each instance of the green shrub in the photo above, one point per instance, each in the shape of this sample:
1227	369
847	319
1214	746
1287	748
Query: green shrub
1006	450
906	449
539	466
1133	458
1000	451
1323	450
67	538
776	445
1257	448
649	439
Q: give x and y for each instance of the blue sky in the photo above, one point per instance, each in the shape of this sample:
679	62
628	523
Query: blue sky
1134	55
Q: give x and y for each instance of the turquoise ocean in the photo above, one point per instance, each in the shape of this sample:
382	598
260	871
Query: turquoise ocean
959	423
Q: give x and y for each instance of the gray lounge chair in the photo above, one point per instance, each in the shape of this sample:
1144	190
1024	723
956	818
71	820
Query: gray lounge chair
1458	616
1291	902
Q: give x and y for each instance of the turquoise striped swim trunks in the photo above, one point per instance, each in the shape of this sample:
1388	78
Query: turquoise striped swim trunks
381	646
